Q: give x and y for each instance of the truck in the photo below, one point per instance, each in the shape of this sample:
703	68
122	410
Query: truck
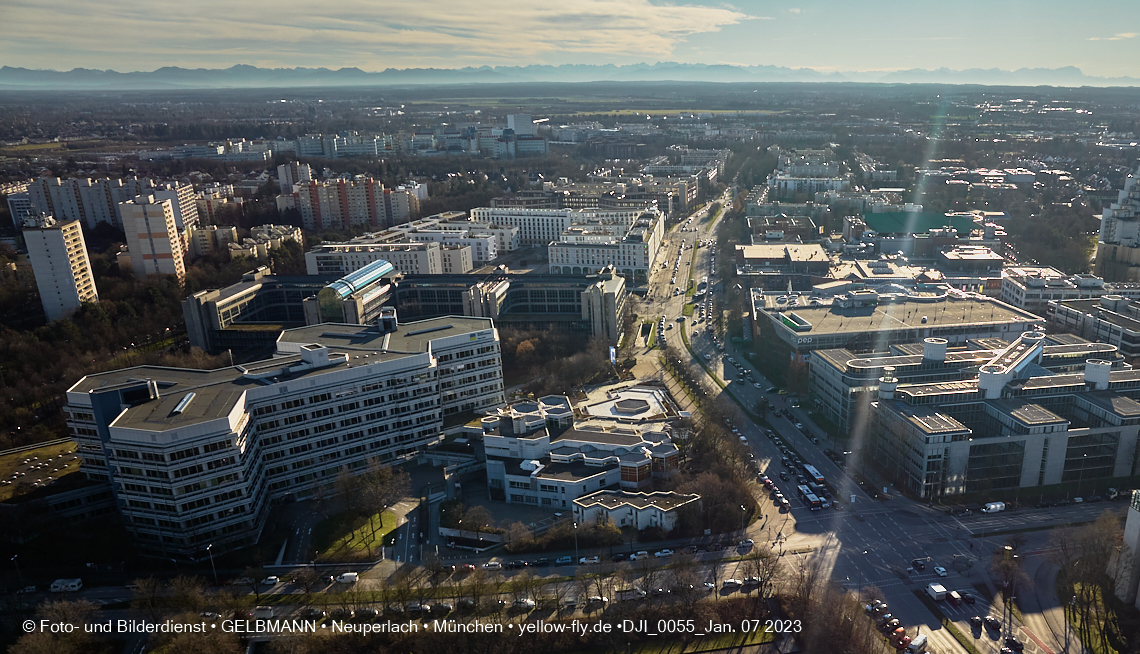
918	645
66	585
993	507
936	591
630	594
348	578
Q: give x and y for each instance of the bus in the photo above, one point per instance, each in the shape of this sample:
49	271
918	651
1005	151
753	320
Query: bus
810	499
813	474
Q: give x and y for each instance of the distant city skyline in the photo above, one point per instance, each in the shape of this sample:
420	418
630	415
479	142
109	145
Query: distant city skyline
1102	38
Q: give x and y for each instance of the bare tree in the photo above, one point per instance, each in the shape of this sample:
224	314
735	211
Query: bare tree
146	597
188	593
476	519
308	579
649	574
763	564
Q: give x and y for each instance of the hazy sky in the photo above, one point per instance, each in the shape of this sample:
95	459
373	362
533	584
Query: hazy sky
1101	37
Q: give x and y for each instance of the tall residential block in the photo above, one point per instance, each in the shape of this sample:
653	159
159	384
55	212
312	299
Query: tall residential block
340	203
153	237
293	173
58	255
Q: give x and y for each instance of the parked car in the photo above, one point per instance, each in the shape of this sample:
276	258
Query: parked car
564	560
992	623
976	621
589	560
637	556
525	604
492	565
663	554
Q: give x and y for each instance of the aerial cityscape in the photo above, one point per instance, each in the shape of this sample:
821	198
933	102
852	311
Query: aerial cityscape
630	329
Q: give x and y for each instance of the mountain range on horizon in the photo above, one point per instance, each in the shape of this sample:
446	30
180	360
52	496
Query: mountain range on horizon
245	76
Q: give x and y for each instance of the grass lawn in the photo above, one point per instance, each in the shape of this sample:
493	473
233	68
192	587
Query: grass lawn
348	537
688	310
11	463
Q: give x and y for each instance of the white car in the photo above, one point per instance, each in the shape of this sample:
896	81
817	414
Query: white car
637	556
710	586
940	571
271	580
492	565
731	583
663	554
589	560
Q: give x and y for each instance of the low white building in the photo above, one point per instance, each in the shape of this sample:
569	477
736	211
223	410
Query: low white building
344	258
631	249
637	510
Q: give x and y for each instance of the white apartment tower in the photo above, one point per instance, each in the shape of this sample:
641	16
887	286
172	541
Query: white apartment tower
58	255
293	173
153	237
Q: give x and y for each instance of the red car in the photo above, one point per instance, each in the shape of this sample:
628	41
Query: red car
467	567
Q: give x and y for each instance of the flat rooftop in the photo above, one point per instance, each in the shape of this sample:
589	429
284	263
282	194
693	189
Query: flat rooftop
927	418
409	337
1026	412
908	314
216	392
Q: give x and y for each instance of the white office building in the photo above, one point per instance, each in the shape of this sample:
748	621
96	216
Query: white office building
542	226
408	258
195	457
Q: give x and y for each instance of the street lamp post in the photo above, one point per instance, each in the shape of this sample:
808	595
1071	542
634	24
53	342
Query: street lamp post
210	551
1081	476
743	514
576	559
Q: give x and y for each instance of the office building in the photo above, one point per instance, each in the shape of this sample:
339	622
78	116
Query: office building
196	457
1012	425
658	509
1112	319
349	256
867	320
538	454
153	238
521	124
1032	287
246	318
845	382
629	248
58	255
543	226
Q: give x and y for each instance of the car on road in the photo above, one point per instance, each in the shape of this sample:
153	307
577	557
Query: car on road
564	560
940	571
467	567
746	543
992	623
492	565
772	390
542	561
589	560
1014	644
639	556
976	621
663	554
918	564
271	580
800	426
757	385
618	558
525	604
731	583
967	597
784	476
710	586
26	590
784	503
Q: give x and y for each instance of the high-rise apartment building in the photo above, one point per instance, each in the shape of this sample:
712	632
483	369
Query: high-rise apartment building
293	173
153	237
343	202
58	255
97	201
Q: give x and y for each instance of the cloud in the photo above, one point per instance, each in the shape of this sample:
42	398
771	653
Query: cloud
1117	37
795	10
369	34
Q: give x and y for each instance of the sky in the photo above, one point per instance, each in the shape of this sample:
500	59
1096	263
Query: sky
1101	37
